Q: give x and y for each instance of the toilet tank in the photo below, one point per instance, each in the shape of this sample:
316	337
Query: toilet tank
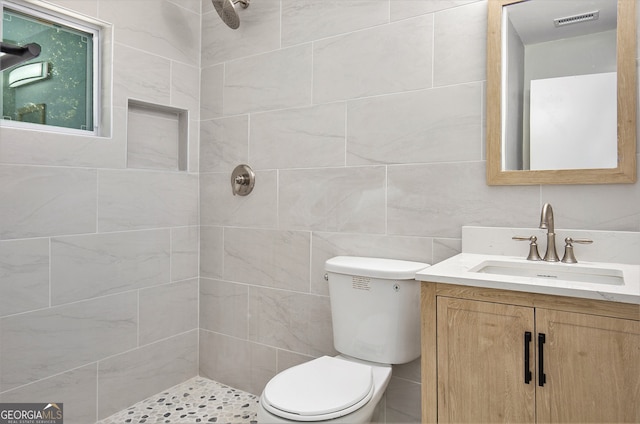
375	308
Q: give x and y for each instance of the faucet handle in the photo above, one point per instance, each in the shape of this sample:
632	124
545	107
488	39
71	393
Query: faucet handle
533	247
569	257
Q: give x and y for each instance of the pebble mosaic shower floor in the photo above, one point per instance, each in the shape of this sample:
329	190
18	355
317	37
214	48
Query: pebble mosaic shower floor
197	400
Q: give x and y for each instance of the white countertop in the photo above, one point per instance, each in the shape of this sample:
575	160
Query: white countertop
456	270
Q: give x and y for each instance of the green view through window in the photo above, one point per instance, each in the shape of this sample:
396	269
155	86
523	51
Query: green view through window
57	88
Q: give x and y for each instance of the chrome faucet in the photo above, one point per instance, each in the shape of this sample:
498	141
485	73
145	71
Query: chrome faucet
546	223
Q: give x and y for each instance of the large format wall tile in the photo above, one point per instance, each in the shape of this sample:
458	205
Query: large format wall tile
131	376
24	275
267	257
396	129
53	340
224	307
95	265
384	59
211	89
275	80
168	310
211	252
224	143
185	247
156	26
333	199
451	195
43	201
130	200
218	205
259	32
460	44
298	138
402	9
292	321
308	20
76	389
141	76
238	363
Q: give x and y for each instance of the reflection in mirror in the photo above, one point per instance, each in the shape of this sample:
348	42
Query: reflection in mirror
561	92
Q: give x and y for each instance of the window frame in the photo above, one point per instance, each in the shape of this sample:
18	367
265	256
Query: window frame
77	23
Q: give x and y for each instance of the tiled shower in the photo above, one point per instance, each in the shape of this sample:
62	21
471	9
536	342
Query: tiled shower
126	264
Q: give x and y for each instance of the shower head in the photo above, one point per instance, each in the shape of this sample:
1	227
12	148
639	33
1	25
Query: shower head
227	11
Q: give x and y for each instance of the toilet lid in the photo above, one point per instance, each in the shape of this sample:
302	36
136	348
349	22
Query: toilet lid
321	389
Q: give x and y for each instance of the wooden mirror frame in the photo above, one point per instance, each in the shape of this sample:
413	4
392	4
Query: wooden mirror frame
626	114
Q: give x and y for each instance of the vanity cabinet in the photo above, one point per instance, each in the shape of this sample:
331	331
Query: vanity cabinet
500	356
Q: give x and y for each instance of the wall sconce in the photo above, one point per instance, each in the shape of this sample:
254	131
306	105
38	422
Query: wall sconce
29	73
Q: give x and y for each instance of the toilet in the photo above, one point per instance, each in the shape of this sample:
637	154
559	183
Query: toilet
375	310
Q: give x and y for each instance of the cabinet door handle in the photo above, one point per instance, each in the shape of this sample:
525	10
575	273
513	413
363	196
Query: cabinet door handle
527	346
542	378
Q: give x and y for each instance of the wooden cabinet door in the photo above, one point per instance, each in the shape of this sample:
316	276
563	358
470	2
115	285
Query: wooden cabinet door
592	367
481	371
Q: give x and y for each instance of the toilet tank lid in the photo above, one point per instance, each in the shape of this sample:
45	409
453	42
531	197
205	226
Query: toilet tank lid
393	269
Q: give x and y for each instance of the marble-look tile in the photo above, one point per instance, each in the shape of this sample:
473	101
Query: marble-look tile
259	32
57	149
126	378
396	129
410	371
218	205
43	343
224	144
185	88
402	9
238	363
267	257
333	199
140	75
275	80
293	321
24	275
153	138
594	207
384	59
288	359
298	138
449	196
86	7
309	20
211	92
167	29
224	307
168	310
76	389
403	401
185	242
45	201
192	5
444	248
328	245
130	200
193	147
87	266
460	44
211	252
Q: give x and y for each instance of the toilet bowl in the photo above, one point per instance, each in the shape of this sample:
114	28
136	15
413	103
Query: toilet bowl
328	389
375	312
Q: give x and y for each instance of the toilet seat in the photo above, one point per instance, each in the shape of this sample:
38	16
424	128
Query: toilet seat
322	389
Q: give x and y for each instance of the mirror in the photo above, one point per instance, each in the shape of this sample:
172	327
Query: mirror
548	87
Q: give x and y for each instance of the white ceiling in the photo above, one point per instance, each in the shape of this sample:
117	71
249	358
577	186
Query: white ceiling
533	19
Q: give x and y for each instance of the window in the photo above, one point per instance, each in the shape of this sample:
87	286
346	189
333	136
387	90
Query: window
59	88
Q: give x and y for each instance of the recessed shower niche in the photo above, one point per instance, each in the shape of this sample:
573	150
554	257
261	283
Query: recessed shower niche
157	136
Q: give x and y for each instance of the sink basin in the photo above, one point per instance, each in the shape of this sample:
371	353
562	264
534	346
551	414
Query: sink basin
552	271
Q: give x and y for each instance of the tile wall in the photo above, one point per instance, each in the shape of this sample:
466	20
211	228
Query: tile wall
98	250
364	122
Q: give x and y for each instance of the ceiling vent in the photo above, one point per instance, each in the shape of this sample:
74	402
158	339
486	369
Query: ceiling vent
576	19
